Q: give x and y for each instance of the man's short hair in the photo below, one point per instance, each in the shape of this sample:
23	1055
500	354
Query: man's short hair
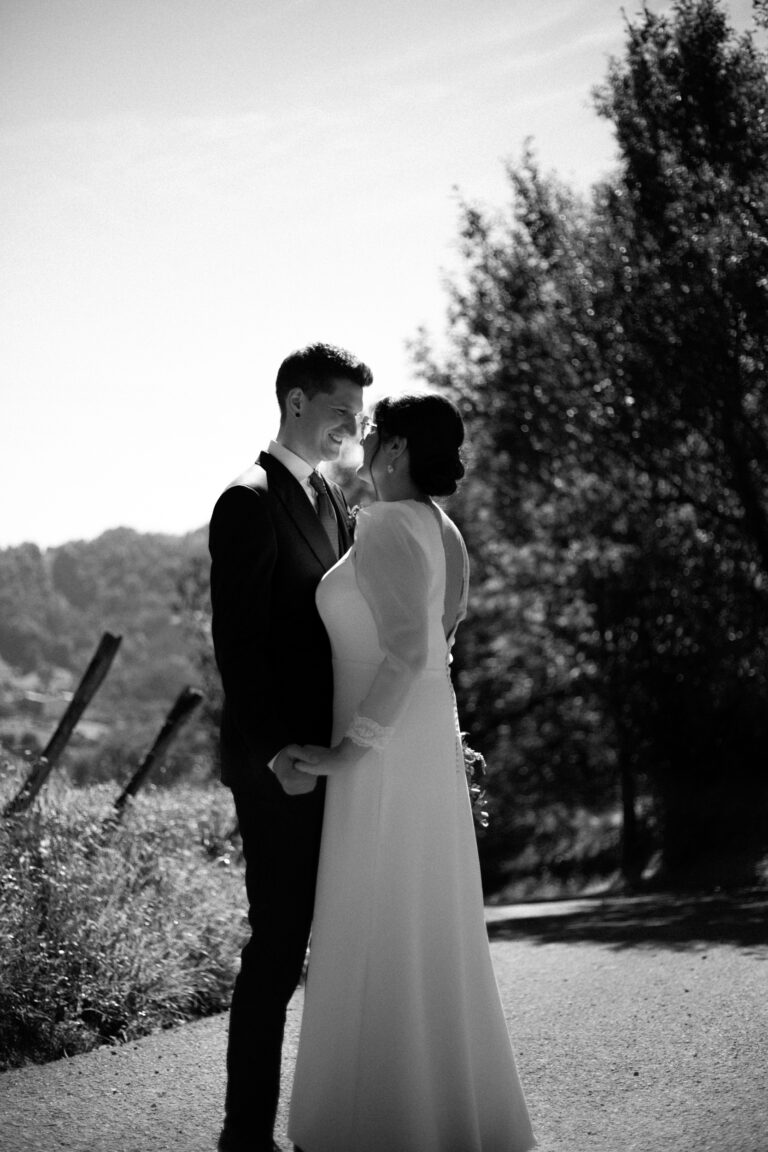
315	368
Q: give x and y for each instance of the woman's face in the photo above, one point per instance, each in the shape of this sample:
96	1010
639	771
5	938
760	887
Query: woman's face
370	444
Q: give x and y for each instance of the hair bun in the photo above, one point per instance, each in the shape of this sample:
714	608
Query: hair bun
437	473
434	430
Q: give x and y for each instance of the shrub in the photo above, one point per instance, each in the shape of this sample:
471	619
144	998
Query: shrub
107	932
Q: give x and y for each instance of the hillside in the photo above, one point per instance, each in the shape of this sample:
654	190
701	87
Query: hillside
54	606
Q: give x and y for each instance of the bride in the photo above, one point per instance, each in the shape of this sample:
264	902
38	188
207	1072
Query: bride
404	1046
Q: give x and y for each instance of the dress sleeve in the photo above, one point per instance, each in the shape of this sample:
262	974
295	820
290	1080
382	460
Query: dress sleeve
393	574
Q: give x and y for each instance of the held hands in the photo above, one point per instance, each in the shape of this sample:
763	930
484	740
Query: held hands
295	782
312	760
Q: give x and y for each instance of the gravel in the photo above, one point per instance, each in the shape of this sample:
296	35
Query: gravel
639	1026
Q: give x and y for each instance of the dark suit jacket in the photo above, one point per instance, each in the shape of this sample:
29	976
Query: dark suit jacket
268	553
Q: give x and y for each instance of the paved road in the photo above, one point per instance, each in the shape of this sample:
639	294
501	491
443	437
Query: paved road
640	1026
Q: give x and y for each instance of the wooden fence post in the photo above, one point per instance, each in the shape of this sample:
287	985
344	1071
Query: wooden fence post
186	702
86	690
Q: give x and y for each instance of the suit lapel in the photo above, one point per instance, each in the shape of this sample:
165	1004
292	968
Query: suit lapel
288	491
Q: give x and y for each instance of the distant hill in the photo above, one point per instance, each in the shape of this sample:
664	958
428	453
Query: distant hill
56	603
149	588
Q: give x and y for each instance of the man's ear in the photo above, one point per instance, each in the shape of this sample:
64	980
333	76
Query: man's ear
294	401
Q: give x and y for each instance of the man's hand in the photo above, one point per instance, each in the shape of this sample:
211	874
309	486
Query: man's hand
292	781
316	761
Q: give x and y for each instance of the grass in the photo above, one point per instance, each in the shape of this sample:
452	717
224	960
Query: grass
107	935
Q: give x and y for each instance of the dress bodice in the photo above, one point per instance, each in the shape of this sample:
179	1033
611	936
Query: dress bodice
383	605
361	598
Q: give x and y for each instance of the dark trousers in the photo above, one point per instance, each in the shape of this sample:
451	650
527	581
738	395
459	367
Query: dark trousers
281	843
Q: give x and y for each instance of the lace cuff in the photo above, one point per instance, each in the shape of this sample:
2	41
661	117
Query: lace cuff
366	732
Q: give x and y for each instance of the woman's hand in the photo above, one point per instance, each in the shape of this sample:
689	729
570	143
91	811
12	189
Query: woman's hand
292	782
329	761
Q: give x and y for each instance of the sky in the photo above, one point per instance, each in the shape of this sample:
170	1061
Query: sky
190	189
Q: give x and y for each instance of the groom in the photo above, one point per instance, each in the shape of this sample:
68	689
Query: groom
274	532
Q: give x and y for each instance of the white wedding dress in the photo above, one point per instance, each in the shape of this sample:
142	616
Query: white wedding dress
404	1046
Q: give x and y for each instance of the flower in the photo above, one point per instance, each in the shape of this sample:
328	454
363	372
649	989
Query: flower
475	768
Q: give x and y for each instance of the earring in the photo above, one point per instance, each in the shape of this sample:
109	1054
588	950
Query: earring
390	468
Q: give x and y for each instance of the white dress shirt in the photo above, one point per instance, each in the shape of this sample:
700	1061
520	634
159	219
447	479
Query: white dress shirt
297	467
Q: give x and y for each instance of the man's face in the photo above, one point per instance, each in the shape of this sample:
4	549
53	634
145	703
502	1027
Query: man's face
327	417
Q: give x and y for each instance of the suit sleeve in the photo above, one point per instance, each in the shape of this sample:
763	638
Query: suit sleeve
243	554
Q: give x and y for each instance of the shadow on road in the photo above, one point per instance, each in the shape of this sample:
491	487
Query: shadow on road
676	922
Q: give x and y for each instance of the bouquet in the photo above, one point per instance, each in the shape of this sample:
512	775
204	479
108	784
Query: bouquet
475	768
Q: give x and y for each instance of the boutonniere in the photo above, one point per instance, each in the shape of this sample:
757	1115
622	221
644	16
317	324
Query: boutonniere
352	515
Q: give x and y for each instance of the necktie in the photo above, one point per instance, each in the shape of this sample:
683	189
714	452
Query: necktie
325	511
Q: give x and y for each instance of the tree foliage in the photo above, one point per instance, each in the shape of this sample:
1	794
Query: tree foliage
55	604
609	354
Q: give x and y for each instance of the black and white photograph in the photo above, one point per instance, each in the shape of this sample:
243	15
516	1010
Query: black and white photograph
383	576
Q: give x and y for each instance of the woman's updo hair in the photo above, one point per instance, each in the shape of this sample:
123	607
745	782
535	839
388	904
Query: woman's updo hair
433	428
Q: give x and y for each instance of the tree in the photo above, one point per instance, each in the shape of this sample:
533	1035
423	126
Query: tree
689	102
609	355
527	370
